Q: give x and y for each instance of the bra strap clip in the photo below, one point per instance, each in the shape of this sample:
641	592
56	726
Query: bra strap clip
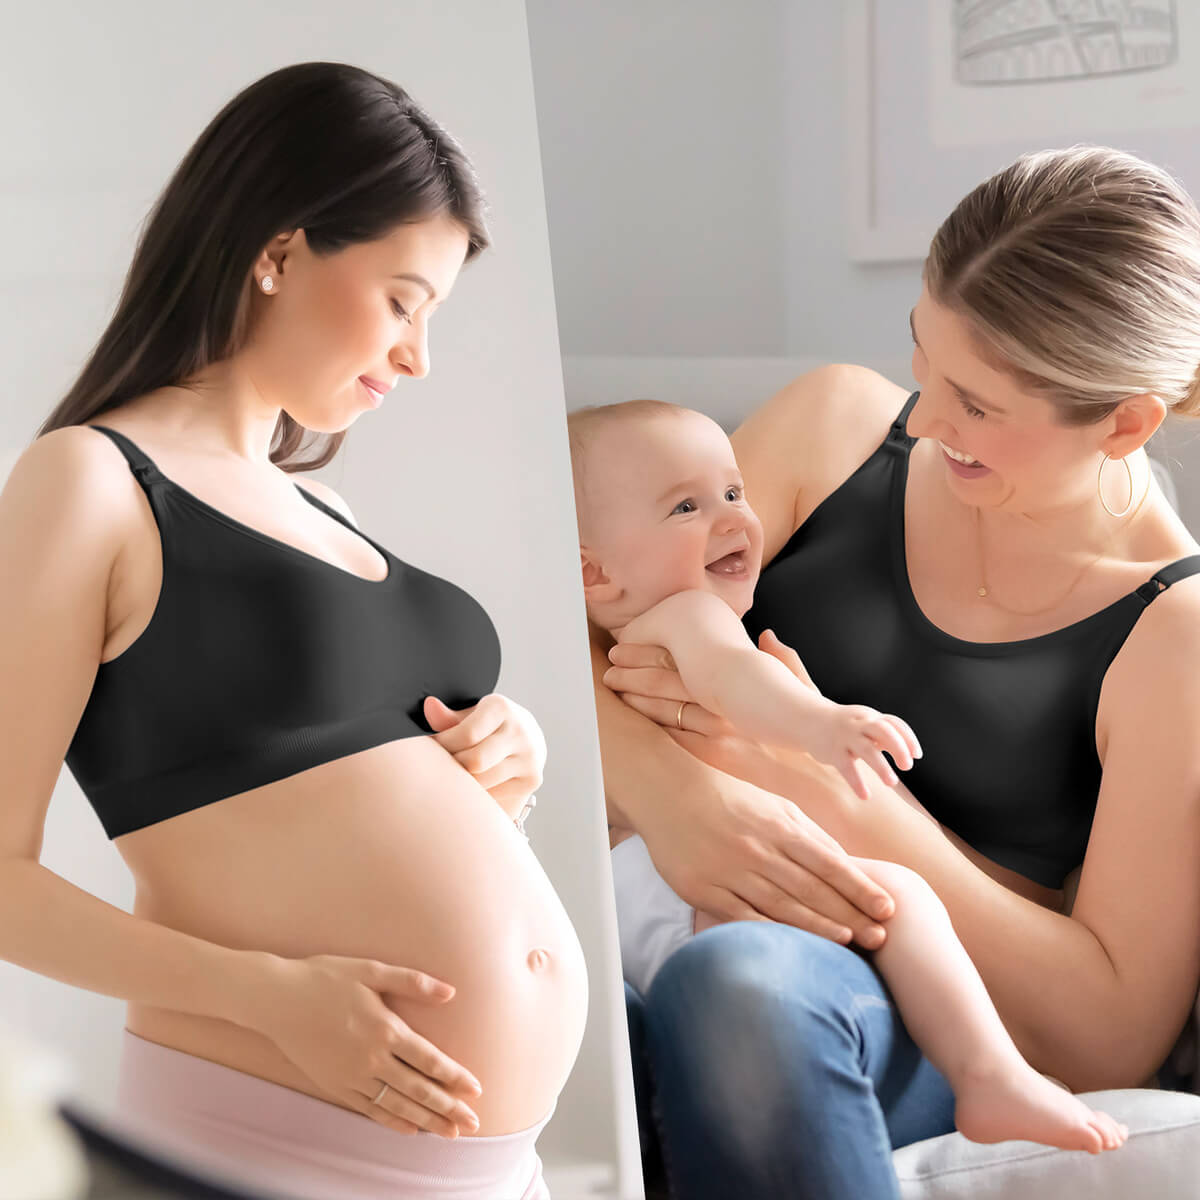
1150	589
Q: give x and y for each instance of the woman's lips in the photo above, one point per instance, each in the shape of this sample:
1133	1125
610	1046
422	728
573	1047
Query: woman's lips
733	565
376	395
963	470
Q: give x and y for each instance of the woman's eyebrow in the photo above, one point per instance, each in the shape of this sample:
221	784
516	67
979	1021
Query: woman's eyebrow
418	279
966	393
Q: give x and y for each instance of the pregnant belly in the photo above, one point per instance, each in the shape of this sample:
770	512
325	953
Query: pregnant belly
394	854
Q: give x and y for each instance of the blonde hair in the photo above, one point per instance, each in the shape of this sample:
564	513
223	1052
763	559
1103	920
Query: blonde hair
1078	271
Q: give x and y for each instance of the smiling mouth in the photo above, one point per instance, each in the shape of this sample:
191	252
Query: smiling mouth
733	563
959	457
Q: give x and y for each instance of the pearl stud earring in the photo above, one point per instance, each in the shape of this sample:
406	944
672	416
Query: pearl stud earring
268	283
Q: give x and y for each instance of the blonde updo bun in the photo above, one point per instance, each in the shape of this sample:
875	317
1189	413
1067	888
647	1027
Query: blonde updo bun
1078	271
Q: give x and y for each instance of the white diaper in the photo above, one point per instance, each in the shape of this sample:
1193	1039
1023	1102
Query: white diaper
653	922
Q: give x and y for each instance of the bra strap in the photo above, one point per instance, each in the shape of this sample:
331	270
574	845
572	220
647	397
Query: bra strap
1181	568
139	462
896	434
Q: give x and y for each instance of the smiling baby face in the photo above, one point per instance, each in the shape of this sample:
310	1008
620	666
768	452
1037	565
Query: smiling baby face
661	509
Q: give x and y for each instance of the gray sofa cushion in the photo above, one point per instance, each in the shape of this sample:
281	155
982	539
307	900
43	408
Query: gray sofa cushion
1160	1161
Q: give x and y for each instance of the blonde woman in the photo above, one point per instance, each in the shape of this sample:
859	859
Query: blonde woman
990	559
346	972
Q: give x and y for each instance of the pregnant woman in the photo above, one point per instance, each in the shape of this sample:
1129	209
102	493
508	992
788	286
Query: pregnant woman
340	936
990	559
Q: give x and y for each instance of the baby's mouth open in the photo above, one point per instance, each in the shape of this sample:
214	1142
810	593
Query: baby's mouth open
733	564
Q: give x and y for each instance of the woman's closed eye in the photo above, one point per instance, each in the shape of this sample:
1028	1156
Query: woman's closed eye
401	311
970	408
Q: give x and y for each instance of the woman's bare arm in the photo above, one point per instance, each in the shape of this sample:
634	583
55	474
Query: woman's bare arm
760	697
724	671
1095	998
64	517
725	846
61	528
1098	997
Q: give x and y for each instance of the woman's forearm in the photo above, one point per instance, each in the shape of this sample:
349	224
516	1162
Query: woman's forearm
642	766
50	926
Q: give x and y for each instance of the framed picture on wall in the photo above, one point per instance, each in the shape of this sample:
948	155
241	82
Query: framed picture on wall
943	94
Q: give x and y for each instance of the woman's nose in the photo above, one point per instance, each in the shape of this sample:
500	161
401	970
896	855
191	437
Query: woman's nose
411	354
926	417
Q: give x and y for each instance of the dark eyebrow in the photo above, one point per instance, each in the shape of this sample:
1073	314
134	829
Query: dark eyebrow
965	393
418	279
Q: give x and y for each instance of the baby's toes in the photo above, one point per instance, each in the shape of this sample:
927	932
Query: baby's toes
1091	1137
1106	1127
1119	1133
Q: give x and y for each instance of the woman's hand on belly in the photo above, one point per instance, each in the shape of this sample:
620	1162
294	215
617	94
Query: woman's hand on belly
498	742
326	1013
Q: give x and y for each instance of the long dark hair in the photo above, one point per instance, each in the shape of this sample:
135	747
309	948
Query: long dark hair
328	147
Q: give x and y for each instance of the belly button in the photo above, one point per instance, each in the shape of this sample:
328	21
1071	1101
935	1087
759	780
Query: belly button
538	959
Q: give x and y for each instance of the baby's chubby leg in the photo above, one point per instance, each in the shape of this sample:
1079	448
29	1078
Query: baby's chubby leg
947	1010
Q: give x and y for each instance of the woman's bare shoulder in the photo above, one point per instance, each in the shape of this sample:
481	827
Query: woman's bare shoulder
1157	668
832	403
73	483
65	511
808	438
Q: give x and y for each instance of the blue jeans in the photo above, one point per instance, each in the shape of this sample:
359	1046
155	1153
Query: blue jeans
771	1063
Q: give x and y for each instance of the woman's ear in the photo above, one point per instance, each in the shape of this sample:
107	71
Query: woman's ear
1132	424
272	258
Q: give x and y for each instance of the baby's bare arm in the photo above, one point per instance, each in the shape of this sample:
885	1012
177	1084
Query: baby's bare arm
762	697
724	671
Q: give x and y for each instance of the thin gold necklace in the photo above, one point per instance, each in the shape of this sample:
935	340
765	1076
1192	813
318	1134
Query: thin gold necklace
984	592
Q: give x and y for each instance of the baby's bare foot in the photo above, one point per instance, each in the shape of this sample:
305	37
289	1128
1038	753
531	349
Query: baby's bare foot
1000	1103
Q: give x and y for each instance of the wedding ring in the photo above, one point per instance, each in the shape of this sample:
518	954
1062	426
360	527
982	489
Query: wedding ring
380	1096
679	714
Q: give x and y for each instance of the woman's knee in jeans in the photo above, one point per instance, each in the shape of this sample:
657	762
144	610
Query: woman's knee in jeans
755	990
746	1020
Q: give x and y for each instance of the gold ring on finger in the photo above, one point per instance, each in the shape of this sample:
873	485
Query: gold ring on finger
381	1092
679	714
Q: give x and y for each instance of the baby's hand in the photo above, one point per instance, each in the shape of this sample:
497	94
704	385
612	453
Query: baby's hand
858	734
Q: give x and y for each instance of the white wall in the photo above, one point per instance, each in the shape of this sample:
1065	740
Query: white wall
658	124
99	102
693	152
695	161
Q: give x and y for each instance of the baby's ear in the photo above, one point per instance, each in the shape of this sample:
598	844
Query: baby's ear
597	587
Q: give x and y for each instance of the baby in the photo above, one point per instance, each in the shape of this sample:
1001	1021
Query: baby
670	552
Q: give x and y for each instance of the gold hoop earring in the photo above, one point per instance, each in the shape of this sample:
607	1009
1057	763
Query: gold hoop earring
1100	492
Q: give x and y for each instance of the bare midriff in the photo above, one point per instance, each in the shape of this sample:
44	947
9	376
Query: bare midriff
397	854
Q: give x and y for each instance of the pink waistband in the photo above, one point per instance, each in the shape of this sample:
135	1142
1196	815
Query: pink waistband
255	1135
